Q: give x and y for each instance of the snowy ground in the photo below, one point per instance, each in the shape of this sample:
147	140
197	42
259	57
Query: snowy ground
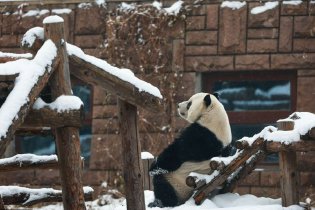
227	201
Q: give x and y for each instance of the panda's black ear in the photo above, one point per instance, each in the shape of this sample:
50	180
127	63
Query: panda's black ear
207	100
217	95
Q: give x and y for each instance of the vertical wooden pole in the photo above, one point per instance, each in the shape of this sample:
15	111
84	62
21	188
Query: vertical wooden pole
67	138
132	165
288	171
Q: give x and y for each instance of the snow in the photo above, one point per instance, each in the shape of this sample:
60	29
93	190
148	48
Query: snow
206	177
264	8
146	155
28	157
233	4
61	11
127	7
157	5
175	8
61	104
14	55
29	72
123	74
304	122
228	201
100	2
31	35
293	2
53	19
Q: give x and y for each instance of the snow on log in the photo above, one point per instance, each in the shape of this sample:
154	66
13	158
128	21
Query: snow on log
33	39
26	161
5	57
14	195
33	76
122	82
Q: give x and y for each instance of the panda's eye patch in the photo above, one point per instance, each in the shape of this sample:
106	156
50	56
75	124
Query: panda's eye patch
188	105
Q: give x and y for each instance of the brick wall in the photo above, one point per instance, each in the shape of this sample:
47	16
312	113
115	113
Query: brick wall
211	38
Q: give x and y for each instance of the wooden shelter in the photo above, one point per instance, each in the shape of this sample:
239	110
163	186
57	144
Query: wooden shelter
65	125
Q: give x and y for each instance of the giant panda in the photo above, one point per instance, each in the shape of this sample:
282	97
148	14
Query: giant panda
208	135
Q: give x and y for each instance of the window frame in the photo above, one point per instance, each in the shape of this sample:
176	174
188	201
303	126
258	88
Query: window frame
208	80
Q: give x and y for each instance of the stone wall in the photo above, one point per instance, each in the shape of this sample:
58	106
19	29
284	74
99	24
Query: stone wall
210	38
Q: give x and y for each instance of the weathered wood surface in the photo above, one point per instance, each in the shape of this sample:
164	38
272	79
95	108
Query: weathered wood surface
194	182
147	179
289	181
28	197
124	90
250	165
201	194
67	138
24	110
46	117
310	135
1	203
31	131
300	146
132	165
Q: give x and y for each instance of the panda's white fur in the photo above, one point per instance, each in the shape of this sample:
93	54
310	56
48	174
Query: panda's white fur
209	127
213	117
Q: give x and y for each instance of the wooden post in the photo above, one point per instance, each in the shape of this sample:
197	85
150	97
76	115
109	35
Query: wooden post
67	138
132	164
288	170
147	179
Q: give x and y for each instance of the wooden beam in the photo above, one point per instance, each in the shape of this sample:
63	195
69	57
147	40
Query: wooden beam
31	131
289	181
124	90
46	117
67	138
24	110
299	146
30	161
132	165
310	135
28	197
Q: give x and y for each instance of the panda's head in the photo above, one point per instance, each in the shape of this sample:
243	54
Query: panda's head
207	110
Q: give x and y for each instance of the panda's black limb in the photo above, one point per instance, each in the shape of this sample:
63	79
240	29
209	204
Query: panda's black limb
163	191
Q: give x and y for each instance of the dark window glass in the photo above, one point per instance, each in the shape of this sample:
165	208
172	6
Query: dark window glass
254	95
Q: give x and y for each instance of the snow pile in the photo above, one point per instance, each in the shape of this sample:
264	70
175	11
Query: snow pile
14	55
36	12
127	7
264	8
28	157
175	8
31	35
61	104
29	72
207	177
228	201
146	155
61	11
303	122
53	19
293	2
233	4
123	74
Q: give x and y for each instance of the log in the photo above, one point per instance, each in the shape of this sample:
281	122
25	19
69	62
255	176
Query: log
30	161
24	110
13	195
67	138
299	146
289	181
241	145
46	117
31	131
310	135
132	165
243	156
96	76
217	165
1	203
229	186
193	182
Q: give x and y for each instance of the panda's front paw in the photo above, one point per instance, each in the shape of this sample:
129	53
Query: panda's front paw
157	171
156	203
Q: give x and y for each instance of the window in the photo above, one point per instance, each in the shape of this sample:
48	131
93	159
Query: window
253	99
45	145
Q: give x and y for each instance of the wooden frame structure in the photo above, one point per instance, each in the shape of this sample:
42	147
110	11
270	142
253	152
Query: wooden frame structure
67	133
